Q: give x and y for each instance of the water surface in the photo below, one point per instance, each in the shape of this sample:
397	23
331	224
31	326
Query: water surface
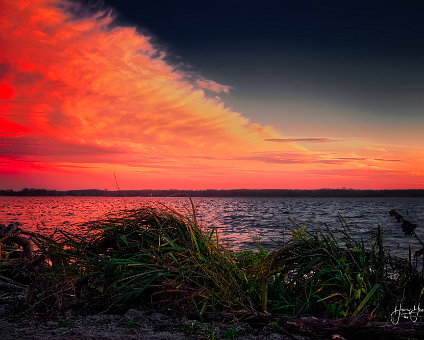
240	221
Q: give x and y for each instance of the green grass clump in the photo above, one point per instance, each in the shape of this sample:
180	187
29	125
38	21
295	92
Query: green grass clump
336	275
157	256
197	329
153	255
321	274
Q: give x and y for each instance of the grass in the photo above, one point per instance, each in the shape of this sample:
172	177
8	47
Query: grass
198	329
231	333
322	274
157	256
150	255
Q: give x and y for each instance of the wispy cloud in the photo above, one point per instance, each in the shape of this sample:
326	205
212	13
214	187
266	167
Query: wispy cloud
387	160
44	148
302	140
351	158
83	81
212	86
295	158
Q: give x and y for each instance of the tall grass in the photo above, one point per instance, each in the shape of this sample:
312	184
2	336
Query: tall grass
152	255
325	274
157	256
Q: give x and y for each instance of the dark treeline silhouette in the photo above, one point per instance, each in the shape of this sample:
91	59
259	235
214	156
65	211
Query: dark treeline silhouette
219	193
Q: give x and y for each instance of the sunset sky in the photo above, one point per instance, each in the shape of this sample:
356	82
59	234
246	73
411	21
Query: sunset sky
211	94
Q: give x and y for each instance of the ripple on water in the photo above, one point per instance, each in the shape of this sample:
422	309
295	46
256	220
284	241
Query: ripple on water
238	220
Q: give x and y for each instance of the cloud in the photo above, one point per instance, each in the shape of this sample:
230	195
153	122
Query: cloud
293	158
387	160
302	140
6	91
351	158
212	86
82	81
47	149
355	173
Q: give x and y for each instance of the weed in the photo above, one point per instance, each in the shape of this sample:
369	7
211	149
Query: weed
198	329
231	333
63	323
273	326
131	324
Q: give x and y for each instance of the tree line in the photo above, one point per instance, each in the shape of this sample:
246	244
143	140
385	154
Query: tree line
218	193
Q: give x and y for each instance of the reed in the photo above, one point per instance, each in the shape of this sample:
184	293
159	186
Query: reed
326	274
150	255
155	255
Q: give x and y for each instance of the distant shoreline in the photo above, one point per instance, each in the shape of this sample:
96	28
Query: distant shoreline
218	193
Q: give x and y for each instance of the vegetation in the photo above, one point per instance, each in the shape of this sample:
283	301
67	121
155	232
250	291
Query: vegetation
156	256
219	193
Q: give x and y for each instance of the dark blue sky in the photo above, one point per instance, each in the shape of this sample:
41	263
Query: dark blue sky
340	26
282	58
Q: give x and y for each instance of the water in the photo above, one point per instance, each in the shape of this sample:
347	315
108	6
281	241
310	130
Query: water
240	221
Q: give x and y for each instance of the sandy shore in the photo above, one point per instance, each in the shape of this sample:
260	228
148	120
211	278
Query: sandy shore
134	324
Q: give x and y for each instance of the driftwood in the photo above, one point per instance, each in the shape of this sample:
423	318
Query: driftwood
361	327
9	284
11	233
352	328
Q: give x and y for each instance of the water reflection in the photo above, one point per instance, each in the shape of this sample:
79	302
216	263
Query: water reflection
239	221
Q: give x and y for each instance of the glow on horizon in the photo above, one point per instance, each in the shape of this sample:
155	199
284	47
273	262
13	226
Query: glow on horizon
82	99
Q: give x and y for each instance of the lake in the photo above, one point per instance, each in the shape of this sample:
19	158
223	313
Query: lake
240	221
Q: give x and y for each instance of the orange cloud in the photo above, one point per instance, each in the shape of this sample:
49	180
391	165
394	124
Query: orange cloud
212	86
6	91
302	140
108	83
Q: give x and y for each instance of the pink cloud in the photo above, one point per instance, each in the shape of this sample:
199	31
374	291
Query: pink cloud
387	160
302	140
212	86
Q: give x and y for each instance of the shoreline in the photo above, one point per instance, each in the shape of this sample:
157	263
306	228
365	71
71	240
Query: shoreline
139	324
145	323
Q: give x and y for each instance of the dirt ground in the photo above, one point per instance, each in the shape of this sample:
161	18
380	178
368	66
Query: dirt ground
134	324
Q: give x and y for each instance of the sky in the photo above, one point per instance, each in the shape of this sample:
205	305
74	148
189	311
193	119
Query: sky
211	94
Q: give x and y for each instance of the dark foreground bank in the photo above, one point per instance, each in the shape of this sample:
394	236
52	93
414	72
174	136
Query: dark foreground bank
138	324
148	324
